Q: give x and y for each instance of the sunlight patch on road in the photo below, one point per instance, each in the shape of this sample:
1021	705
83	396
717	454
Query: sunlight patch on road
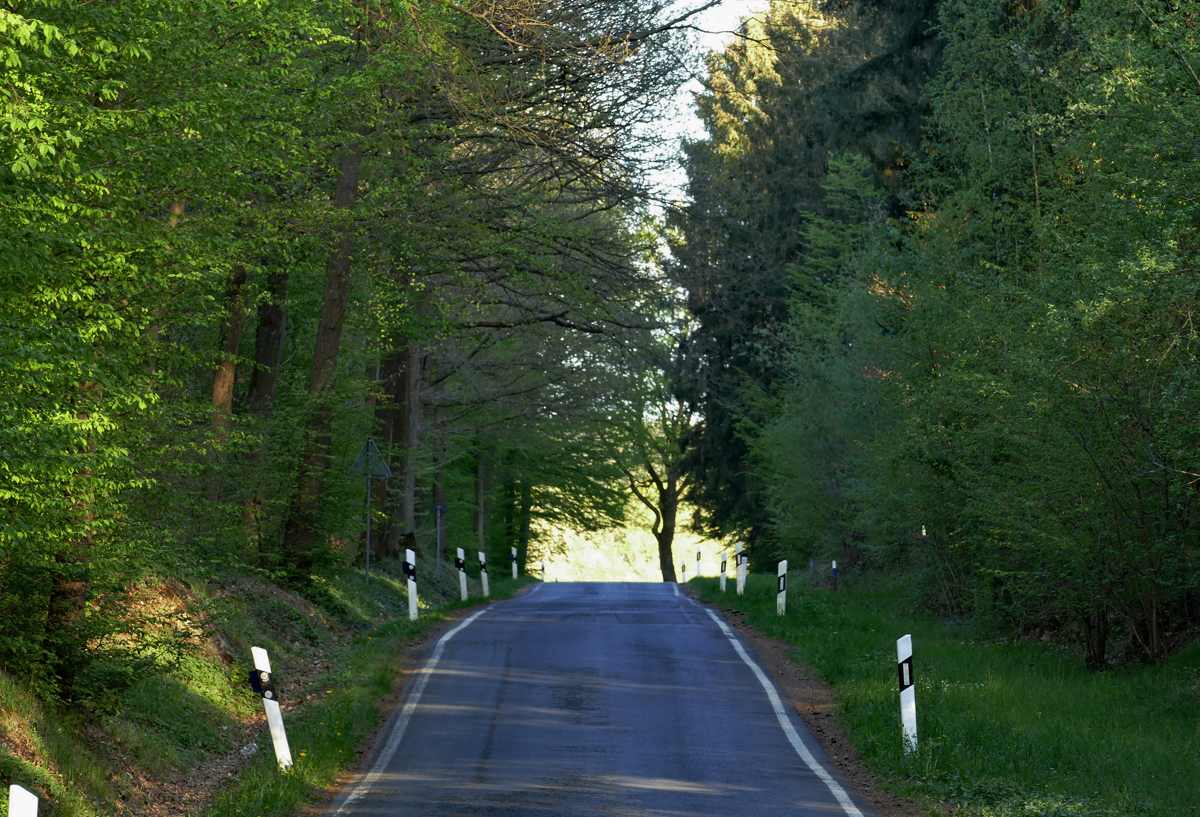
668	784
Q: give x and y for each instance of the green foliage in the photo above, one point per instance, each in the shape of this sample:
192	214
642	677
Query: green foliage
999	353
1004	728
805	84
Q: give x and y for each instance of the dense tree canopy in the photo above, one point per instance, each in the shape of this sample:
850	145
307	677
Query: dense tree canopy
238	239
981	328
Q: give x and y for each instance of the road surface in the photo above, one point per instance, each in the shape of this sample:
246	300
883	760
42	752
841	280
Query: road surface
596	699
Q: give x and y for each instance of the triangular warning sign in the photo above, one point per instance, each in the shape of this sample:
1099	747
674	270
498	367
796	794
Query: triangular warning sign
370	463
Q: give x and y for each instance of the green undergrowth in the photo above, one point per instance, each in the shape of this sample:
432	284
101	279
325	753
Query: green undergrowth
334	656
1005	729
325	736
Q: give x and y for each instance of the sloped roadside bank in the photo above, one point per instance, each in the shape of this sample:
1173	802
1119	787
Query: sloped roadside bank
1007	729
329	736
191	740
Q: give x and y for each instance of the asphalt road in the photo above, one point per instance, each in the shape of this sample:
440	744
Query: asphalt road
595	699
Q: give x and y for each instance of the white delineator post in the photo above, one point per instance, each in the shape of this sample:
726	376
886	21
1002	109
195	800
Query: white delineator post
722	571
835	574
265	686
21	802
483	577
908	693
513	559
410	570
543	570
697	563
460	561
741	570
781	593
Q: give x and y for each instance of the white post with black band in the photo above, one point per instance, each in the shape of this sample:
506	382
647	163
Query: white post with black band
908	693
697	563
21	802
513	558
722	571
460	561
410	570
483	577
781	593
543	570
262	683
683	572
741	570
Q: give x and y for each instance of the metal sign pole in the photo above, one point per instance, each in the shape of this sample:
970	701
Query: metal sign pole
439	517
369	463
368	526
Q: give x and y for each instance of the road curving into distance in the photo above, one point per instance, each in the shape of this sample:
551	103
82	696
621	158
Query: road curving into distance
590	699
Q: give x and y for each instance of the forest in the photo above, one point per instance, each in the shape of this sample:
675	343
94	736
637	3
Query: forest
925	307
940	260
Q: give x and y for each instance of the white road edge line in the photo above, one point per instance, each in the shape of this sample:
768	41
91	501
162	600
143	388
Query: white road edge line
838	792
675	587
410	706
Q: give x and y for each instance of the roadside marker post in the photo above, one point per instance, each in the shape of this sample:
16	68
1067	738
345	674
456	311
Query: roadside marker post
835	574
513	558
21	802
741	570
543	570
722	571
781	592
263	683
410	570
908	693
460	561
483	576
697	563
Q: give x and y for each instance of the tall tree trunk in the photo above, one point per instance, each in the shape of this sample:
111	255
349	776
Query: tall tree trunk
301	533
480	493
526	522
268	347
668	506
389	414
510	515
223	377
404	433
439	477
489	473
268	357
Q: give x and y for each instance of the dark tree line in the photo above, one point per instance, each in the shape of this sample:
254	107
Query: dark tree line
940	256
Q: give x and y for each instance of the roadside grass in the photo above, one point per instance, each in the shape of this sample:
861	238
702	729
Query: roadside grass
1005	729
41	753
326	734
334	650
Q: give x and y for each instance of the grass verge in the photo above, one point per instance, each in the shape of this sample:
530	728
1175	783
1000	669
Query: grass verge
175	736
325	735
1005	729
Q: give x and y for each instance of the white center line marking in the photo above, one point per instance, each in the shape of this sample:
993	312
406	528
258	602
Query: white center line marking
838	792
393	743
